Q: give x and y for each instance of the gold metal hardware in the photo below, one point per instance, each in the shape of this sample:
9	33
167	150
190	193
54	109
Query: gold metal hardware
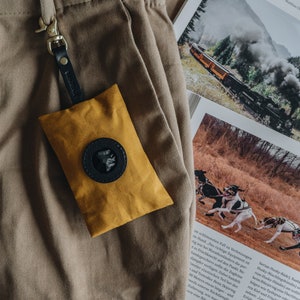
55	39
64	61
42	25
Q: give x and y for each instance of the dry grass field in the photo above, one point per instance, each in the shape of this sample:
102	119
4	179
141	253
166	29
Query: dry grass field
267	195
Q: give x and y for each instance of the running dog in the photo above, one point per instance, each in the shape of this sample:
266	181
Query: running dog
207	190
233	203
280	223
296	237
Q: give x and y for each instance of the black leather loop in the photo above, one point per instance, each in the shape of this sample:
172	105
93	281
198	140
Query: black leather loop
68	74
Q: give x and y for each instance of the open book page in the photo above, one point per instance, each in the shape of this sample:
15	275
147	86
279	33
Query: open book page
243	88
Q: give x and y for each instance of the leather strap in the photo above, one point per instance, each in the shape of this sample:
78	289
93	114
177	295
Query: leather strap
68	74
57	46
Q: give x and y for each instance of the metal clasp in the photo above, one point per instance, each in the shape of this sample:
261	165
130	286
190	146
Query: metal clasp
55	39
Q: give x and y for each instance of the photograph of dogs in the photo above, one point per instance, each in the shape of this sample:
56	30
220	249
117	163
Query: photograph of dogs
281	225
240	179
232	203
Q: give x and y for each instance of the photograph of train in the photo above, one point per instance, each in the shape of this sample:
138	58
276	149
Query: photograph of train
247	188
243	55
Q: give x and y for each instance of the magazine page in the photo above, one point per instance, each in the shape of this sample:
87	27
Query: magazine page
245	56
243	88
249	250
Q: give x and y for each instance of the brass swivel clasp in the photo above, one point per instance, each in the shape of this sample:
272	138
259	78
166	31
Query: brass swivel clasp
55	39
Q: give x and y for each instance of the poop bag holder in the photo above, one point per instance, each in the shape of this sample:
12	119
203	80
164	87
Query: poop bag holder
107	169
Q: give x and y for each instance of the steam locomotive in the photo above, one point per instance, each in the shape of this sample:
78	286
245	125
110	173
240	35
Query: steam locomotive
262	108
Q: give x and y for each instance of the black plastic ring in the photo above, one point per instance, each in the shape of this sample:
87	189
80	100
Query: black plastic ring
104	160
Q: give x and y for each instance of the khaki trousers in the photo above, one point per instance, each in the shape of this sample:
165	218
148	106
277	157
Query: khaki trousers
45	249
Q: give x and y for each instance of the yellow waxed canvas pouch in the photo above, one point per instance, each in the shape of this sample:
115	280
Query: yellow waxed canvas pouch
104	162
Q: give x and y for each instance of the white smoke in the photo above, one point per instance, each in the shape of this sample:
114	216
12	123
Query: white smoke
276	70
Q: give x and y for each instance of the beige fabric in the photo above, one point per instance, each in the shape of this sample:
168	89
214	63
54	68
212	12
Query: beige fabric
46	251
47	10
174	7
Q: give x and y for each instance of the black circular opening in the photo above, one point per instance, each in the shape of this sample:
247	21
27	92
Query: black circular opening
104	160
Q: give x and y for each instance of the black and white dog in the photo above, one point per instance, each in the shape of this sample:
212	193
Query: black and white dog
207	190
233	203
280	223
296	237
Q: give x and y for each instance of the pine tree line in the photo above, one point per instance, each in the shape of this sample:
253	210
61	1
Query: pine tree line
270	160
185	37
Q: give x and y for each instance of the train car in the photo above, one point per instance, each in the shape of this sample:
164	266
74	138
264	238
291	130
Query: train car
219	71
267	111
194	51
206	61
200	56
209	63
250	100
235	85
